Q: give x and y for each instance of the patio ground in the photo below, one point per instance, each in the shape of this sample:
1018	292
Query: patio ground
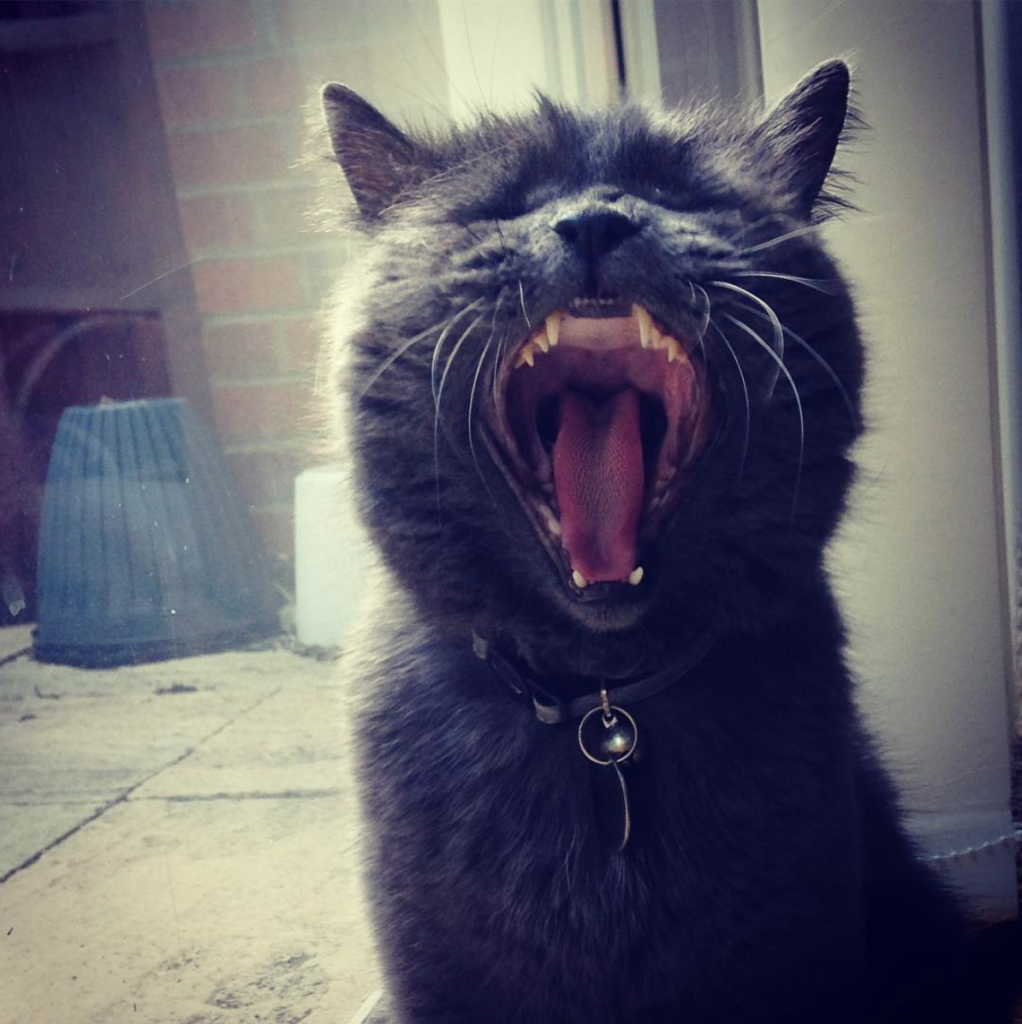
177	843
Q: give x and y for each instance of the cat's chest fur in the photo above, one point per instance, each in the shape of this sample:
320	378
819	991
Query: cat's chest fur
736	873
600	382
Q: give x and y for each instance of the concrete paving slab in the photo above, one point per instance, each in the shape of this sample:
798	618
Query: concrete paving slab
14	640
200	912
288	744
30	828
179	844
69	736
99	749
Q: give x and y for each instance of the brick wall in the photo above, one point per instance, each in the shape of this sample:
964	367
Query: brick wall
232	112
235	79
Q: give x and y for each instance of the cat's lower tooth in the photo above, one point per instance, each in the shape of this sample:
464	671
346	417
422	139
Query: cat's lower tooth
553	328
636	576
645	322
579	580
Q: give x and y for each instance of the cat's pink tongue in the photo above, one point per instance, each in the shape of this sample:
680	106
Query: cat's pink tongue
598	478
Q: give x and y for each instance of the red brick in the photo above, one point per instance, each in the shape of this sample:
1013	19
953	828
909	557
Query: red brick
224	156
303	340
322	269
188	95
216	222
201	27
252	285
241	351
273	86
256	412
286	215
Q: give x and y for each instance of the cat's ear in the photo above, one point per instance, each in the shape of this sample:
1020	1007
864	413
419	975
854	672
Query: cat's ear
376	156
801	133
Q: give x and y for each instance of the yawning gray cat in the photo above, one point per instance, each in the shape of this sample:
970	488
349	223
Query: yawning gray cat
602	379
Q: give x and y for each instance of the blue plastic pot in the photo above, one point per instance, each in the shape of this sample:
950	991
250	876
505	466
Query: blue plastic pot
143	551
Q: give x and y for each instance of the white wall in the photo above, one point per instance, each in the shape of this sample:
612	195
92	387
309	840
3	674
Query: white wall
920	566
498	52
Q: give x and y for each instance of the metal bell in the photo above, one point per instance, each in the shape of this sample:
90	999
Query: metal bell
608	736
617	741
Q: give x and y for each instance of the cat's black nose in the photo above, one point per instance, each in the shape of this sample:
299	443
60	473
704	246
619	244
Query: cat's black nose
594	233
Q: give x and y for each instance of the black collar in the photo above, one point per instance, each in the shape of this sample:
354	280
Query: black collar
552	710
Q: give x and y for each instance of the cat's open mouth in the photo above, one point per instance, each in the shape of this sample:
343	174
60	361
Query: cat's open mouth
599	411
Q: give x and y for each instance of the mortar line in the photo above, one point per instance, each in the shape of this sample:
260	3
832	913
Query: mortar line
122	798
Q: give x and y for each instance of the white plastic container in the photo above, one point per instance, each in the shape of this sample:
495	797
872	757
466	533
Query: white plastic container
332	557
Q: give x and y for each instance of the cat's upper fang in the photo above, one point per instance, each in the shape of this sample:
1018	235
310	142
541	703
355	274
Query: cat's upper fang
650	335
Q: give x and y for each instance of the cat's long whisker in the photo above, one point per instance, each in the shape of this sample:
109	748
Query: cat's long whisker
825	366
468	162
501	345
798	402
475	383
745	392
435	362
500	235
498	359
775	322
706	316
817	284
471	405
405	346
158	278
439	396
770	243
521	296
752	227
450	360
